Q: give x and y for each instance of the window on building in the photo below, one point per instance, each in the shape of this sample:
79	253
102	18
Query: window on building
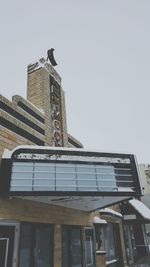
106	240
89	247
100	233
78	246
111	243
72	255
36	245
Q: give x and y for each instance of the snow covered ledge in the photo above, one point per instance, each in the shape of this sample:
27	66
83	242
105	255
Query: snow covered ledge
111	212
100	258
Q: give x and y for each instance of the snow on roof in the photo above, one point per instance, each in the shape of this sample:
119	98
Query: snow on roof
110	262
113	212
26	101
98	220
30	147
140	207
35	107
6	154
127	189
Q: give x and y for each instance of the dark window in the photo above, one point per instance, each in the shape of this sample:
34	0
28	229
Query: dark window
100	233
107	239
131	249
25	246
72	247
89	247
36	245
111	246
7	234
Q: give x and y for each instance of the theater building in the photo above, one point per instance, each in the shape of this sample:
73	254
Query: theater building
54	195
136	219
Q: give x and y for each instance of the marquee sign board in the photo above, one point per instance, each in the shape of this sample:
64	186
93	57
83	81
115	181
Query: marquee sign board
65	176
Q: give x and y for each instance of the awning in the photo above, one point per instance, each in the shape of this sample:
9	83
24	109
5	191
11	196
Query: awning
98	220
140	207
110	212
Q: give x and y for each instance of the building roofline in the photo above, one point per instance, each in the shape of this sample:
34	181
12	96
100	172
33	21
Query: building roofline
8	153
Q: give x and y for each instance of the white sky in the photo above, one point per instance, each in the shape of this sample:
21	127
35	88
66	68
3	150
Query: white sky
103	51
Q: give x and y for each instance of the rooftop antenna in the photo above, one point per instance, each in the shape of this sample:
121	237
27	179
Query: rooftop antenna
50	56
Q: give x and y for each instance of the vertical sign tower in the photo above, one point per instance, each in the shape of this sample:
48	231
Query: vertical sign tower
45	92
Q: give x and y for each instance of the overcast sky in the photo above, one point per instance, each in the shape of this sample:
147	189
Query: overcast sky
103	52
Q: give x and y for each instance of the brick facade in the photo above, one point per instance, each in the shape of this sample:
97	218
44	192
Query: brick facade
29	122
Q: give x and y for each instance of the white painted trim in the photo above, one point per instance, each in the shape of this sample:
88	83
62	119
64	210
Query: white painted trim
98	220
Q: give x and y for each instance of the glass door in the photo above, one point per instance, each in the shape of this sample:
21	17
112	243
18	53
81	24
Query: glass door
36	245
72	254
6	245
89	247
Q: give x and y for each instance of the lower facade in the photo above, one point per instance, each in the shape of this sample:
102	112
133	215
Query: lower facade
32	244
38	235
42	235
